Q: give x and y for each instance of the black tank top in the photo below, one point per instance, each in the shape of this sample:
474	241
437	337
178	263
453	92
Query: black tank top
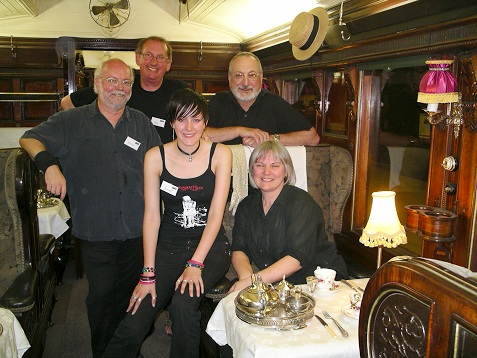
186	212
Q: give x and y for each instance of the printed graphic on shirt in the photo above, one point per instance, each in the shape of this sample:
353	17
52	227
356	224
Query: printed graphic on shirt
191	215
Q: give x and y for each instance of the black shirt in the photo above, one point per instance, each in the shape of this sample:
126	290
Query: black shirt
269	112
104	176
293	226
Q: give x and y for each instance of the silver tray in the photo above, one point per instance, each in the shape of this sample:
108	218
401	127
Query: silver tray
294	319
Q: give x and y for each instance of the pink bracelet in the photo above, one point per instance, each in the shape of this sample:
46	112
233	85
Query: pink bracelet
196	263
146	282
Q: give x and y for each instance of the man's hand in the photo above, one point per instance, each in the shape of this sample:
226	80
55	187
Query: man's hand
55	181
253	136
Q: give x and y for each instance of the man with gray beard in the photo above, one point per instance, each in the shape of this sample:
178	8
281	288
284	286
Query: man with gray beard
95	153
248	114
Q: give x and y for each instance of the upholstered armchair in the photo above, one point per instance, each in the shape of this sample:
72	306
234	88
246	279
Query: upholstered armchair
27	279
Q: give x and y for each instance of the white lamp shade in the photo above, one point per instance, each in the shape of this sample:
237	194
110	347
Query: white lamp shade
383	227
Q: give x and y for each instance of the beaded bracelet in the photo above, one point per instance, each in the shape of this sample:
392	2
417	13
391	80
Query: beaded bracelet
196	264
148	269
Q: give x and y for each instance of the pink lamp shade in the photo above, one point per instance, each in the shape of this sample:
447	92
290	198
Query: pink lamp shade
438	85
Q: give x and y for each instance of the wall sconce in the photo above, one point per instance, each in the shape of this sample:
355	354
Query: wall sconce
438	86
383	227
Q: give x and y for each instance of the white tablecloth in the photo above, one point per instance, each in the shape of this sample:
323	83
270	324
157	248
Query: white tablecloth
312	341
13	342
52	220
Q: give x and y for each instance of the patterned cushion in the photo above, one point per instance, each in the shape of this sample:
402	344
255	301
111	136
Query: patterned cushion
11	245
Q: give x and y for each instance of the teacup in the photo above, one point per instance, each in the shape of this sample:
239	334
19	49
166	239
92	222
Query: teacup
325	278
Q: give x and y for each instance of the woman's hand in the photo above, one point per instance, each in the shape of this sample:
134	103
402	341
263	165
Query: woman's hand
191	277
139	293
240	284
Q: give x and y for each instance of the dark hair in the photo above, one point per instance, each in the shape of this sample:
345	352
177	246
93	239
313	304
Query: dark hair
142	42
187	102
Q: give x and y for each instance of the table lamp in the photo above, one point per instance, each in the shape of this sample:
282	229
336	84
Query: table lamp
383	227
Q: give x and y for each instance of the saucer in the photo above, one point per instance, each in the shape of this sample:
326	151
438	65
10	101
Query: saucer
349	312
335	288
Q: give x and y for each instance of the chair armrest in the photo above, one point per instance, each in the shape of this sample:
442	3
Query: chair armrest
46	244
220	289
21	295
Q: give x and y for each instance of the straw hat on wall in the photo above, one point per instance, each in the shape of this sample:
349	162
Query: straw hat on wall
307	32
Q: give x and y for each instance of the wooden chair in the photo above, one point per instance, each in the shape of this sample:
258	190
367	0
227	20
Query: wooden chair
415	307
27	279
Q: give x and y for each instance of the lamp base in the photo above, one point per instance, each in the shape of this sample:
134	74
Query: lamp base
380	256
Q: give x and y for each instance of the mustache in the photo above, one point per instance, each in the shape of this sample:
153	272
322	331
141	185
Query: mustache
118	93
245	87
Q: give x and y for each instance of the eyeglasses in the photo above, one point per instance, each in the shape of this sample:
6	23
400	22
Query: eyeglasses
159	58
252	76
114	81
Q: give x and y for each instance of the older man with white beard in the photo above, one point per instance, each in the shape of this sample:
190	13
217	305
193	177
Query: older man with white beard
95	154
248	114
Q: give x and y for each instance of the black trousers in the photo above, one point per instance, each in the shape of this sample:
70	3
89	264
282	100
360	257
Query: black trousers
184	310
112	270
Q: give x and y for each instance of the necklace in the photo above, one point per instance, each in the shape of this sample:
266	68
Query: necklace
189	154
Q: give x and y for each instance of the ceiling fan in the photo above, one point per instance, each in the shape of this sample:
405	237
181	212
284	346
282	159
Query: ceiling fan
109	13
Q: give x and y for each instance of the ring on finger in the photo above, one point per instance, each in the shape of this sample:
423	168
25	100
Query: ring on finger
179	281
139	299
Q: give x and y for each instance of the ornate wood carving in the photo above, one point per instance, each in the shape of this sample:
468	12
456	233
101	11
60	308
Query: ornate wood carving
468	89
399	326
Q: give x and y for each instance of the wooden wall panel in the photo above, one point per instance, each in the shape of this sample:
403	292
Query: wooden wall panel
6	108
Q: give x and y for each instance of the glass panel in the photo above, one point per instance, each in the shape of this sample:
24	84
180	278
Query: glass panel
308	101
402	161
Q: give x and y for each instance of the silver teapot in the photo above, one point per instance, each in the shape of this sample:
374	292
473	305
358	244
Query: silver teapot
258	297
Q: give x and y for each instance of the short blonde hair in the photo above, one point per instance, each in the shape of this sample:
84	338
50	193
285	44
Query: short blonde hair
279	153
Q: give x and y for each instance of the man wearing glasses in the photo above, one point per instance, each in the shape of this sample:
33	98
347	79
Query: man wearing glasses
100	148
249	115
151	90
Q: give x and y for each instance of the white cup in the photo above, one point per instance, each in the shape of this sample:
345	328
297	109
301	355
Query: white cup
326	278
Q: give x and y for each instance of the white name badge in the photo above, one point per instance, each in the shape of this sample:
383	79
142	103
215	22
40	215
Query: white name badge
169	188
132	143
158	122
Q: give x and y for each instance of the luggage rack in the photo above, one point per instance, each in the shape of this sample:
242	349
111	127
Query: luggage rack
29	97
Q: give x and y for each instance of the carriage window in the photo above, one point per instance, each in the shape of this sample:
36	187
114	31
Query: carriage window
402	163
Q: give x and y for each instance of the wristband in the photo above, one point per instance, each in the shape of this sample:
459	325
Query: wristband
196	262
192	263
43	160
